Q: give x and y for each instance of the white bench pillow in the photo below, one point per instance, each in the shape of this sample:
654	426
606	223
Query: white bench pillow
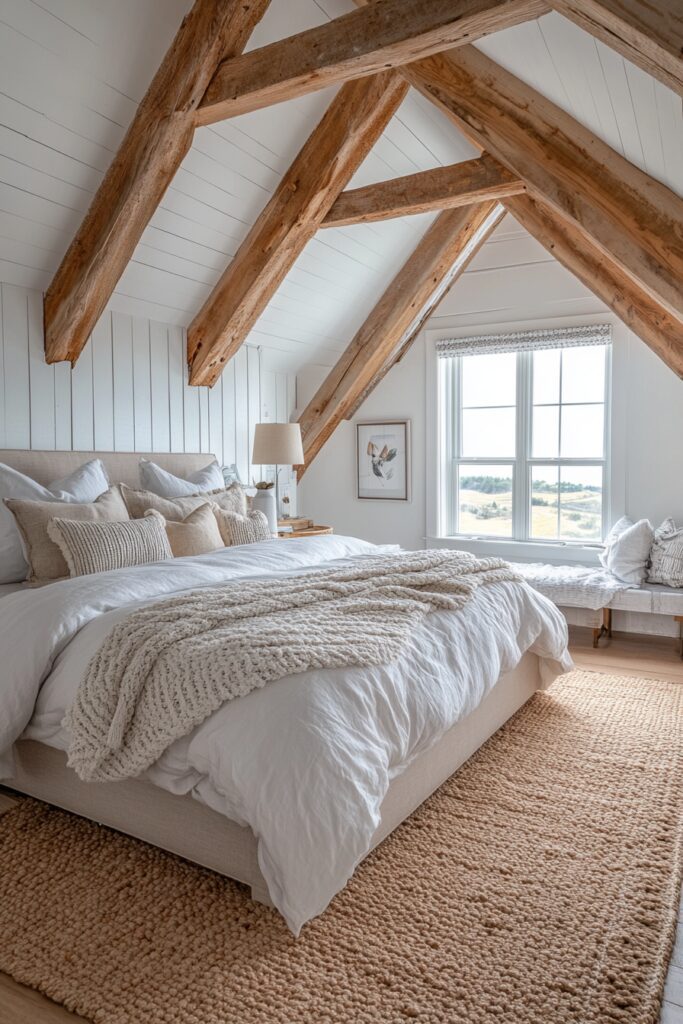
627	550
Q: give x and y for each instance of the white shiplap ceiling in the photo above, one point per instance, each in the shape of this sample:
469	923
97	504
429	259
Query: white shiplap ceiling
72	72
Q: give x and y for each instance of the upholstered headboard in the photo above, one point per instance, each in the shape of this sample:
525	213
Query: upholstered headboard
122	467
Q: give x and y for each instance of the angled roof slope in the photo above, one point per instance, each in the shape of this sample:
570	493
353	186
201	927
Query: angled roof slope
70	79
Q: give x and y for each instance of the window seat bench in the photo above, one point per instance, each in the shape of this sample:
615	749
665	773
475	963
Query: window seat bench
590	599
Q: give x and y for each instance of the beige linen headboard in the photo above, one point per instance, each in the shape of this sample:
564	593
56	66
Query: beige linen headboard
122	467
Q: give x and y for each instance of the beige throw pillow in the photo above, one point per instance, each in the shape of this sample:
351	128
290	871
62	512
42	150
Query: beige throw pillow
90	547
237	529
232	498
139	503
197	534
46	561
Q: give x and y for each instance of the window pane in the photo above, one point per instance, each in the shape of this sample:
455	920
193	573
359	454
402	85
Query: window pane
581	503
489	380
488	432
547	376
583	374
582	431
544	502
545	437
485	506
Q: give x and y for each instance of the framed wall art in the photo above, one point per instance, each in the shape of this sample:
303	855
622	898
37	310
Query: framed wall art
383	459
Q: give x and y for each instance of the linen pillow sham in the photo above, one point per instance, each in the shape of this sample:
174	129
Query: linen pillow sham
627	550
236	529
90	547
46	561
667	555
197	534
175	510
138	503
85	484
167	485
232	498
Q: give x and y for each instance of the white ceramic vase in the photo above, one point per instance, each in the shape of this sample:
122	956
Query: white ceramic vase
264	501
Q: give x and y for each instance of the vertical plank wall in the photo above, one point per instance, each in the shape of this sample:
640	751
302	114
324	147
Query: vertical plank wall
129	390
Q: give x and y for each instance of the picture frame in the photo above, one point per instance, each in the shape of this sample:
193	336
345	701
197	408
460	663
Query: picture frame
383	464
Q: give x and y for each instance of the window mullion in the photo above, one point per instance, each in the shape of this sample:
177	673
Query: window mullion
456	436
520	496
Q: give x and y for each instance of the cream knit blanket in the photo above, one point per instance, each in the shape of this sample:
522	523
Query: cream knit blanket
169	665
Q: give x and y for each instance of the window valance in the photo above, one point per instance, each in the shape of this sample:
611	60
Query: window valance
523	341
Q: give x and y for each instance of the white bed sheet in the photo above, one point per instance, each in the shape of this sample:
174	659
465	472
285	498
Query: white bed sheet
306	761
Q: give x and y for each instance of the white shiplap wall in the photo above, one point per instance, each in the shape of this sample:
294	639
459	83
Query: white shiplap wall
129	391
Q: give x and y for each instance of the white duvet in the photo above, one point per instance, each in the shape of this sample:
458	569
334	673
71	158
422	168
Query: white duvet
307	760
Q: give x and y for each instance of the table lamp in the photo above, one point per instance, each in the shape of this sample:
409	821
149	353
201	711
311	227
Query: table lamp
277	444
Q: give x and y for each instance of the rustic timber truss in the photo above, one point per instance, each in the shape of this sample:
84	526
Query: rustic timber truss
613	226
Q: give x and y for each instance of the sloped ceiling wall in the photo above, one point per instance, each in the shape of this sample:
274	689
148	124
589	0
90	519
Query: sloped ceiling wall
72	72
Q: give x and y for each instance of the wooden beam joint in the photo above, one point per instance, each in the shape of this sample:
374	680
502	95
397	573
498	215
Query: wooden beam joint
382	35
352	124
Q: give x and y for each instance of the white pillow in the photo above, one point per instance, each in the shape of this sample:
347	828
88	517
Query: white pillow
627	550
166	485
84	485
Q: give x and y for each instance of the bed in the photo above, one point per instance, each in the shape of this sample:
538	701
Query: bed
287	789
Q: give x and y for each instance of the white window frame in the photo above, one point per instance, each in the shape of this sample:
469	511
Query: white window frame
440	450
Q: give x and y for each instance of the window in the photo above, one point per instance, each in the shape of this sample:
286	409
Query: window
525	436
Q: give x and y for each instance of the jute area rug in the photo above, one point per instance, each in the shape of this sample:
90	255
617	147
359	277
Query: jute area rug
539	884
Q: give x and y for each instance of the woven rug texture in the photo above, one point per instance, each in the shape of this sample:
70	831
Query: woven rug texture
538	885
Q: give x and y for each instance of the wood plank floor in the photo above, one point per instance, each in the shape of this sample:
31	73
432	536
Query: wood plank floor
654	658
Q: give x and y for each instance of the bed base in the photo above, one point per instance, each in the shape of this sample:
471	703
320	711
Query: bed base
186	827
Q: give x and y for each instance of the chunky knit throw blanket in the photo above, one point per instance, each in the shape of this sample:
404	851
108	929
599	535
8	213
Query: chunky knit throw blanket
168	666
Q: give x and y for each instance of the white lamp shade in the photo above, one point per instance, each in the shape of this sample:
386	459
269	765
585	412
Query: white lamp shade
277	444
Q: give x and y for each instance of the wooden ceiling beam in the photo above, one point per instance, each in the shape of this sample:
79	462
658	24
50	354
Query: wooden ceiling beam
652	323
649	34
154	145
633	219
347	132
444	188
364	42
396	320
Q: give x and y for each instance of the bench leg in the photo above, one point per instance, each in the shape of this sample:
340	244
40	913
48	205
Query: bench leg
605	629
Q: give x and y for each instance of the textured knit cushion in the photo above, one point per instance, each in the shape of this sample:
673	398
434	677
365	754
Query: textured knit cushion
167	485
627	550
667	555
46	561
85	484
90	547
139	503
195	535
237	529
